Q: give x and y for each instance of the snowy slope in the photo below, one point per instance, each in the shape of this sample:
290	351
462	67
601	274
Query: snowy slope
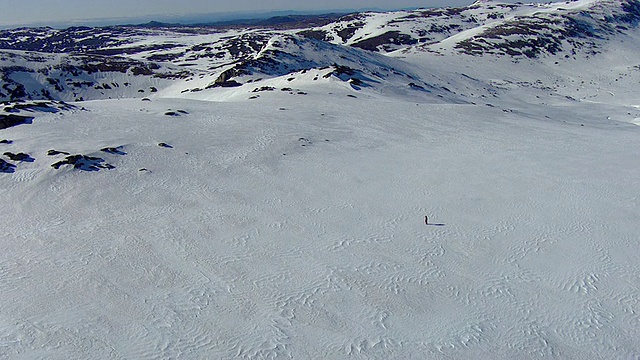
264	195
293	227
201	59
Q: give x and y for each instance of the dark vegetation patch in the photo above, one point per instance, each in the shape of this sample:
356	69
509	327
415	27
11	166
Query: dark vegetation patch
167	57
242	47
172	75
12	89
346	33
526	37
386	41
97	64
73	39
131	50
355	17
72	71
538	35
317	35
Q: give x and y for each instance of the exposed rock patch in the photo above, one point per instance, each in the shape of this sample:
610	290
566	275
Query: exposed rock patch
6	167
19	157
10	120
84	163
56	152
114	150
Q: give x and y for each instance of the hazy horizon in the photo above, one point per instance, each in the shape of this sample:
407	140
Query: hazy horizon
78	12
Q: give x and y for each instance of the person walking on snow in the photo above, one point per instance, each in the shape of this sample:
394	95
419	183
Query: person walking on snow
426	220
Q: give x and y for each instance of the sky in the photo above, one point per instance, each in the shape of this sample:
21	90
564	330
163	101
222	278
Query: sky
79	12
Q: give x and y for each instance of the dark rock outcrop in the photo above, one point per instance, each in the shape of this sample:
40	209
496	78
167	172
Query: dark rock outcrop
19	157
6	167
56	152
84	163
385	40
114	150
10	120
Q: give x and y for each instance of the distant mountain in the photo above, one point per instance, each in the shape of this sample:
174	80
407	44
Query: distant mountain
155	24
281	22
82	63
486	27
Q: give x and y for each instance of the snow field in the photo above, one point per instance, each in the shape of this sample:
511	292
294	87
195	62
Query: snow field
240	242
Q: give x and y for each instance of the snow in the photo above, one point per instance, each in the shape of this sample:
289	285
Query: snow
291	225
228	248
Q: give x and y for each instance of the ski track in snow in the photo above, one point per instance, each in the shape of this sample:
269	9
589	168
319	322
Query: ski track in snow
226	248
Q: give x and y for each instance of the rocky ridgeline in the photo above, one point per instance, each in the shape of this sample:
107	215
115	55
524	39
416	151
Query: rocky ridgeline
83	63
551	33
78	77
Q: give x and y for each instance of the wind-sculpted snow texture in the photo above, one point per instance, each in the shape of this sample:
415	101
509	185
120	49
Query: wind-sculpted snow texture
261	193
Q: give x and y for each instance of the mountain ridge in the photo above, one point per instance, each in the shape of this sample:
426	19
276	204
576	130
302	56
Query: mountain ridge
200	59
